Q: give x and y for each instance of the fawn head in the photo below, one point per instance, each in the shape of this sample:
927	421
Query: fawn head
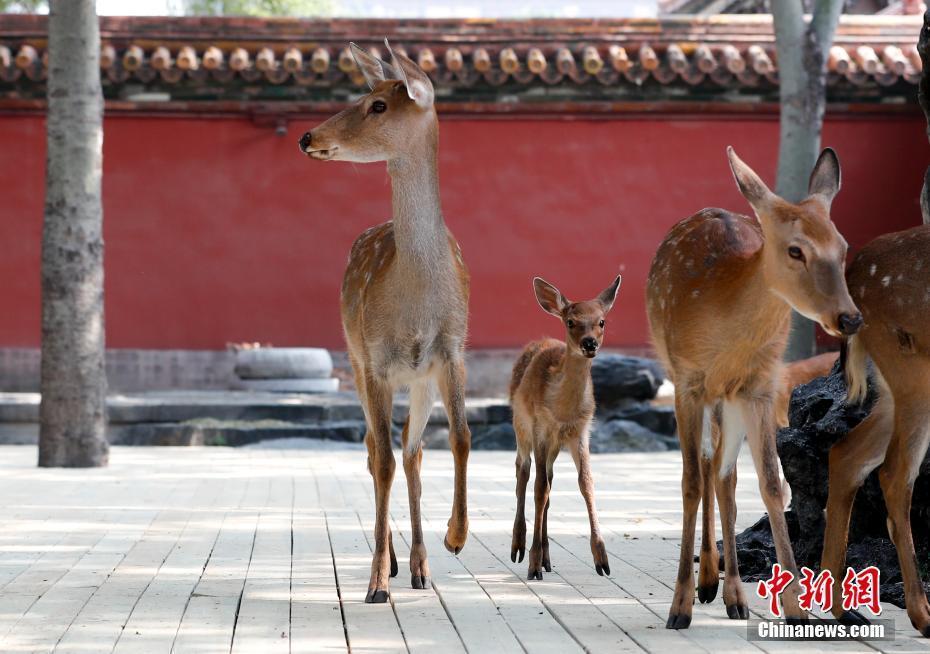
804	256
383	124
584	321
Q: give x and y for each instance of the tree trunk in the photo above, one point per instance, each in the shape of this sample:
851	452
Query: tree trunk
923	96
802	53
72	414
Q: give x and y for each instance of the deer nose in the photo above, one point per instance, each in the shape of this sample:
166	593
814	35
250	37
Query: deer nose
589	344
305	141
849	323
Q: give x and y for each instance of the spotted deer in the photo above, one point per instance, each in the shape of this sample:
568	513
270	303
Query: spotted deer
553	404
890	279
404	298
719	297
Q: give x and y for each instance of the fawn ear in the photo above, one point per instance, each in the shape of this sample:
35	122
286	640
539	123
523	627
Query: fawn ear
549	297
609	294
750	184
825	178
373	69
419	88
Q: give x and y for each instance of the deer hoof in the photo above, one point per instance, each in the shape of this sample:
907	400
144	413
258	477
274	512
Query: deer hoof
376	596
420	582
678	622
393	565
535	574
925	632
602	569
852	617
451	548
707	594
521	551
738	612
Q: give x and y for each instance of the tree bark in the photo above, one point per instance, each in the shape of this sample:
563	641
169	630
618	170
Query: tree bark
72	413
802	48
923	96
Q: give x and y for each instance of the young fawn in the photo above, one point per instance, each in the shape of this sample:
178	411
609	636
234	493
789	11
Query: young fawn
553	404
719	297
404	297
890	279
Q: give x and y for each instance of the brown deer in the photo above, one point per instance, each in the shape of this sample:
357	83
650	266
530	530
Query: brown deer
890	280
404	297
719	297
553	403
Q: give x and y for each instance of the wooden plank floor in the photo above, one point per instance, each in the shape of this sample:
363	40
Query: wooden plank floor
268	550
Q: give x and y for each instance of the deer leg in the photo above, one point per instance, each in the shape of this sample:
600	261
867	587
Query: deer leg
381	463
541	497
897	475
733	597
582	457
421	403
852	459
452	386
759	417
709	569
359	373
728	430
546	563
518	543
688	412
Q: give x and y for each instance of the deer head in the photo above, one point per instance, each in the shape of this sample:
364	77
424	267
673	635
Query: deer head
584	321
388	122
804	256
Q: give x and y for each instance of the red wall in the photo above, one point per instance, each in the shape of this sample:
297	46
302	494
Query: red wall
217	230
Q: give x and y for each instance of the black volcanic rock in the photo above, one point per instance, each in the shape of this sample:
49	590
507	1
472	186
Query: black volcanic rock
617	377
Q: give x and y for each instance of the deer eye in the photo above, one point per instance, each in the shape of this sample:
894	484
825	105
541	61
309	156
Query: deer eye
570	323
601	323
378	107
795	253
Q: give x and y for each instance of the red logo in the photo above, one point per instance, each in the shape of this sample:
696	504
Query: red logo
860	589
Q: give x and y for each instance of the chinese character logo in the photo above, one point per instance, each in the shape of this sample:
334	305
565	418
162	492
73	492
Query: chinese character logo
859	589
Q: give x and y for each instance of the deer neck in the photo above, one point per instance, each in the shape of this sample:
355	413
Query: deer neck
419	229
767	310
572	384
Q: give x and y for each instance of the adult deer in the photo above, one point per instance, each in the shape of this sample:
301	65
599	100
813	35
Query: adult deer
404	297
890	279
553	404
719	298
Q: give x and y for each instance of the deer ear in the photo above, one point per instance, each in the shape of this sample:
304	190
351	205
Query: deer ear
609	294
419	88
373	69
549	297
750	184
825	178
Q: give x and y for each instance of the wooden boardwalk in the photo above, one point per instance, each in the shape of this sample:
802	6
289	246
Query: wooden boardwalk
268	550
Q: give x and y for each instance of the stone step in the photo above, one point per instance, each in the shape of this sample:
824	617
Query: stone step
181	406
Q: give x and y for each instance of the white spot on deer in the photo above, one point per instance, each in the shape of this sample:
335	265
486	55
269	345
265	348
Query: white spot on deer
862	291
734	433
900	277
872	269
707	440
886	280
695	293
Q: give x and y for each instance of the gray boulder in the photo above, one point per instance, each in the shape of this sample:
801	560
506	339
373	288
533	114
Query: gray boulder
626	436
